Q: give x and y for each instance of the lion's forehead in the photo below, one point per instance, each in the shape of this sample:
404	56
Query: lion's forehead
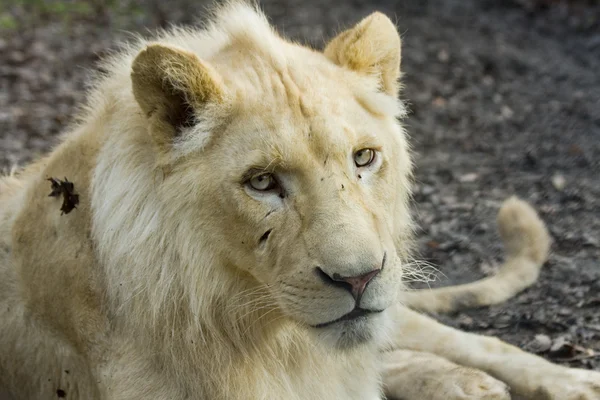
299	108
298	82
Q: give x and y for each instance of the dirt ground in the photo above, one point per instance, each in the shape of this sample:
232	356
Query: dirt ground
504	98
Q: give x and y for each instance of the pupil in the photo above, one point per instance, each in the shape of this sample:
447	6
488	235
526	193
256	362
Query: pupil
363	156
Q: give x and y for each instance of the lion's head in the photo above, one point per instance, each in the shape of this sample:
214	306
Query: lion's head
287	165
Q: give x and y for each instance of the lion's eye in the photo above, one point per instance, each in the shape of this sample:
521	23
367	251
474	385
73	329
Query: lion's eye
263	182
364	157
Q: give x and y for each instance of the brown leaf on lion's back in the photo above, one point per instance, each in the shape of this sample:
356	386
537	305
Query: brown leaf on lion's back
64	188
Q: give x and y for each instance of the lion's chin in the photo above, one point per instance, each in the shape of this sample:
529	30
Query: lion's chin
350	333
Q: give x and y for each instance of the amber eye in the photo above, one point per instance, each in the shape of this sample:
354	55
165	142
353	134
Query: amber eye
364	157
263	182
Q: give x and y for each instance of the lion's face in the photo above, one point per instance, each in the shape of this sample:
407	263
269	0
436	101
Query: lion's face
304	184
310	188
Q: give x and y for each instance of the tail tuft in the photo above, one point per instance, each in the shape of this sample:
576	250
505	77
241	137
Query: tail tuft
523	232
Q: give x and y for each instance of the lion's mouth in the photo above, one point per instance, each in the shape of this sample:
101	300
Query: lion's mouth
352	315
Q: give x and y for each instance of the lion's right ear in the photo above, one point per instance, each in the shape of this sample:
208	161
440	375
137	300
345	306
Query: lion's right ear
171	86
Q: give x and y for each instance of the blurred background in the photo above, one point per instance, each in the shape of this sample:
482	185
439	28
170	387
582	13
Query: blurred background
504	99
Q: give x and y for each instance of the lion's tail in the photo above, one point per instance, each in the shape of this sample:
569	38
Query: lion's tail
527	243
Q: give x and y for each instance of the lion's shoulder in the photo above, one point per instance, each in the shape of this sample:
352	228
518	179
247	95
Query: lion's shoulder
50	237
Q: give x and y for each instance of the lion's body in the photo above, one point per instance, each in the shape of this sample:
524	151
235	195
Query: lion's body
152	287
107	327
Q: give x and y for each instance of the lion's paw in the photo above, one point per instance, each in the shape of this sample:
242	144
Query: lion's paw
417	376
469	384
569	384
459	383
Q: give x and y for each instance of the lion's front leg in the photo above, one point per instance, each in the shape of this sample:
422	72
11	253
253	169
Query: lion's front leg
529	376
413	375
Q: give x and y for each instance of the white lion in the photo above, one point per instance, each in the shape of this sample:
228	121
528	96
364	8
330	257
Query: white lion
229	220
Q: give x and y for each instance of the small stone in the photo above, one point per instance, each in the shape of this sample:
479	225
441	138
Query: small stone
482	227
559	182
565	311
16	56
488	80
506	112
443	55
547	209
470	177
464	321
540	344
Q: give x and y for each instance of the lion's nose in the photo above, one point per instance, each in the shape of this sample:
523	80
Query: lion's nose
356	285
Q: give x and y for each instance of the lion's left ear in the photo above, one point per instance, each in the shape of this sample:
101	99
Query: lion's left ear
371	47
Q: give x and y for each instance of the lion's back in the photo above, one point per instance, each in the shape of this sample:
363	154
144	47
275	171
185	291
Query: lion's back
49	304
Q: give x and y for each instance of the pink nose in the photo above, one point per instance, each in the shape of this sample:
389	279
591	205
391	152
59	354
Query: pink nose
357	284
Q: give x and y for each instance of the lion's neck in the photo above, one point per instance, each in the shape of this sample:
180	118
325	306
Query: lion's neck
285	362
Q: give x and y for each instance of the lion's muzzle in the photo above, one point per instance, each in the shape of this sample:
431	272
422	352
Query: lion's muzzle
356	284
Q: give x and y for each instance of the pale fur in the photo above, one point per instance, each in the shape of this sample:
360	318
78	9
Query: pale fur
157	285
